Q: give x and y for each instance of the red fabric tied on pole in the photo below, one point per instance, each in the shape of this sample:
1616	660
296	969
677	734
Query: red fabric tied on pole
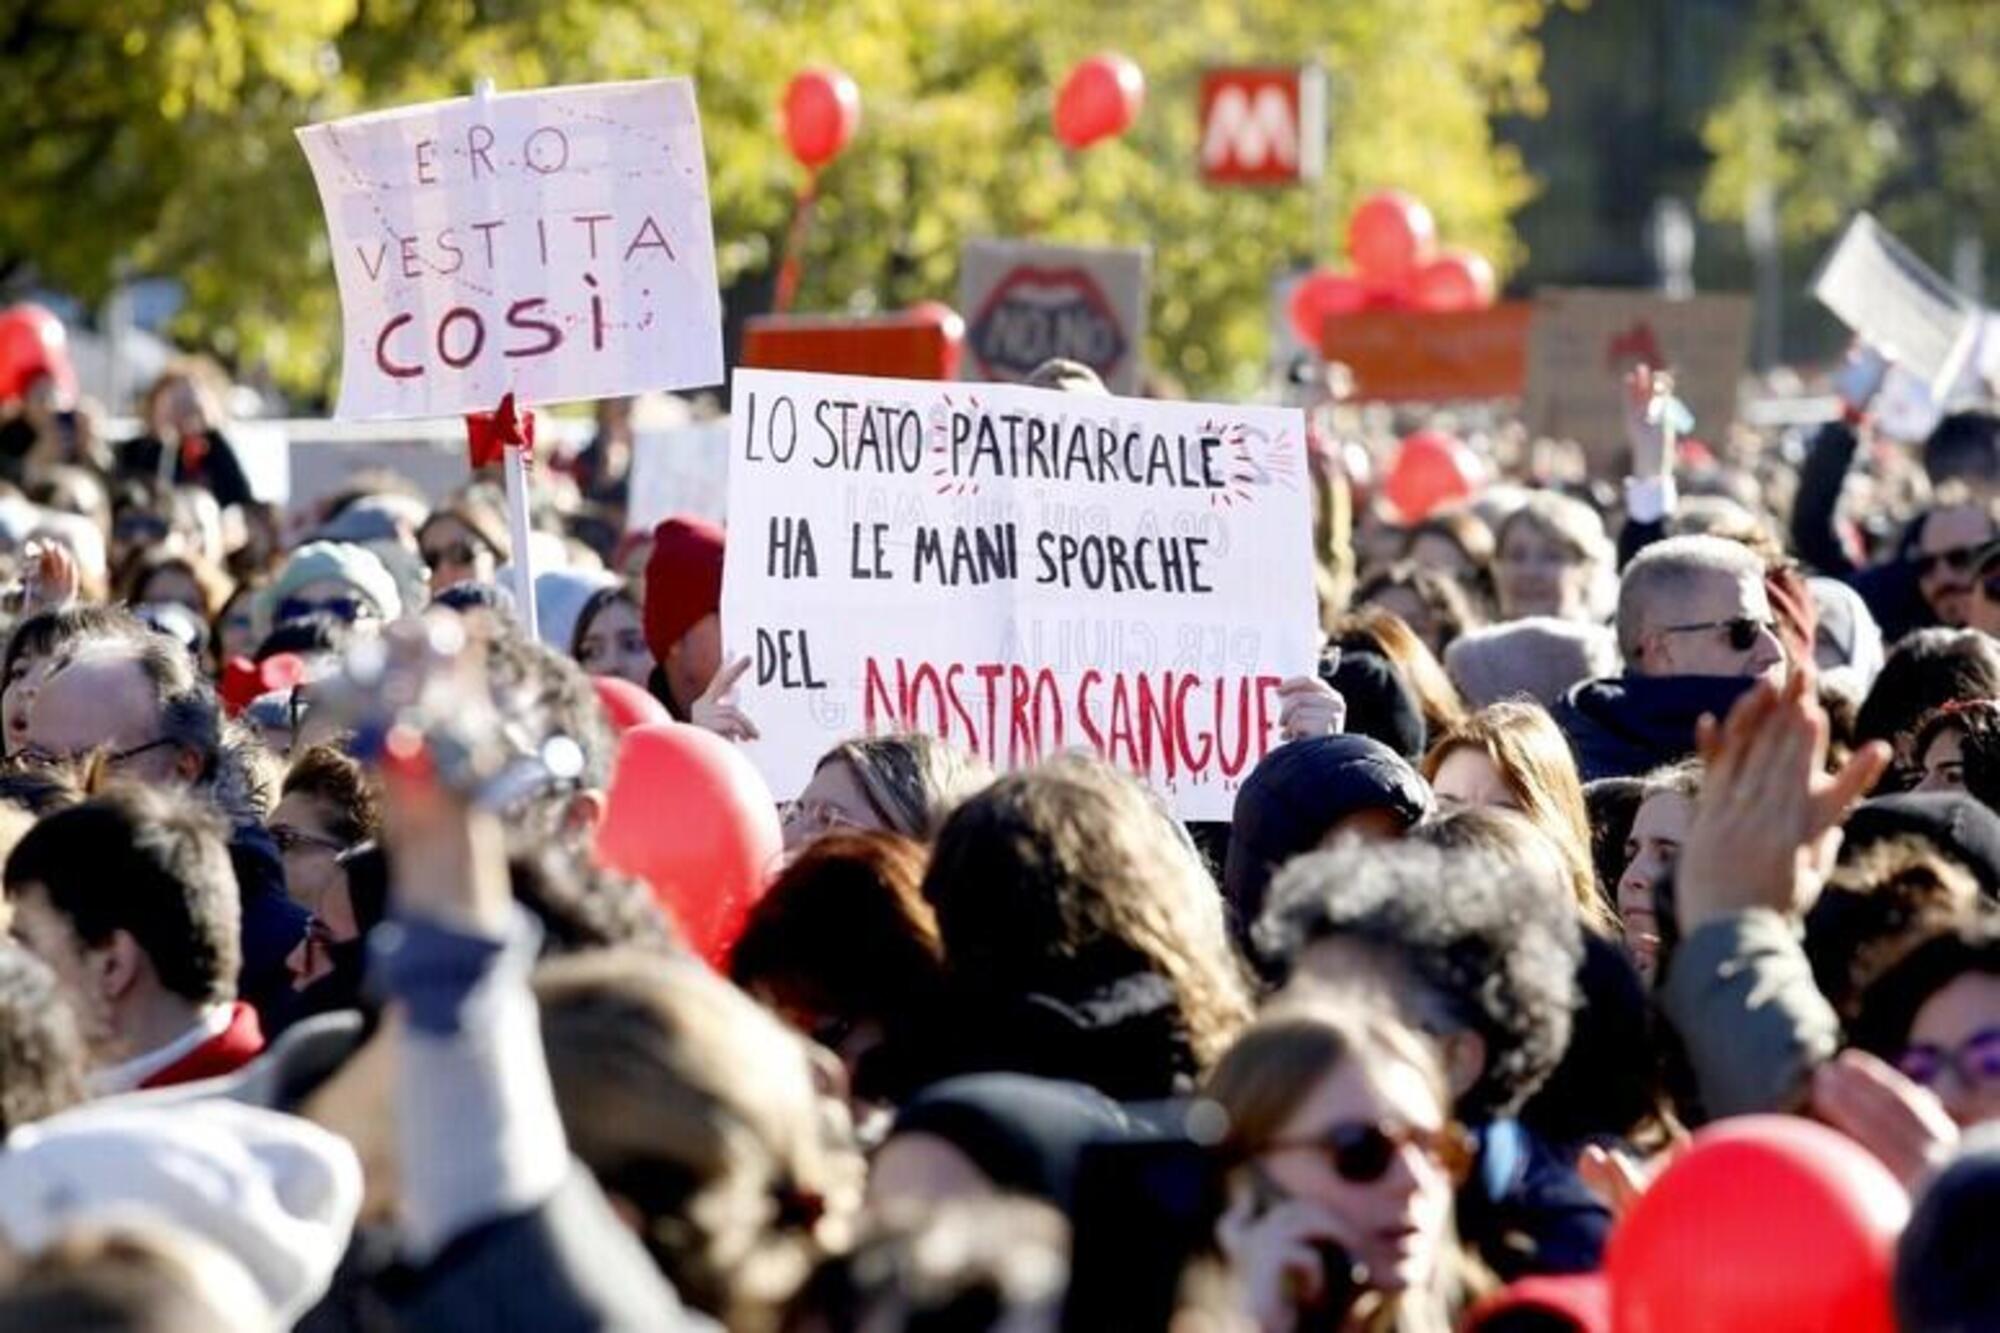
489	434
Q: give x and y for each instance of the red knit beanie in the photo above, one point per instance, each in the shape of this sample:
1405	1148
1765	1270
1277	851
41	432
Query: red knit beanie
683	580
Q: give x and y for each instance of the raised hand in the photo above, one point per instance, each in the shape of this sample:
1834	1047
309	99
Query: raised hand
1766	826
717	711
1308	706
1875	1105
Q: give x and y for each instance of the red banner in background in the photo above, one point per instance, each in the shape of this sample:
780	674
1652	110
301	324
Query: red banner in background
1425	357
892	347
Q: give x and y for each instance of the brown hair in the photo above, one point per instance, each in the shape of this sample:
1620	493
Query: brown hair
1450	611
914	781
1061	868
1372	628
330	774
1271	1070
1527	749
1876	908
691	1104
213	584
845	933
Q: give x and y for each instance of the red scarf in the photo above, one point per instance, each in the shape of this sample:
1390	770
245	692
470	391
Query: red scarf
225	1053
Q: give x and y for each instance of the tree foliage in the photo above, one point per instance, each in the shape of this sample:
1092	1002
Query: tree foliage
1888	105
154	137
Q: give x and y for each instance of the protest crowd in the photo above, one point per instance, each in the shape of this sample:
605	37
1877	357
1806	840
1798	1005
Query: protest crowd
1603	935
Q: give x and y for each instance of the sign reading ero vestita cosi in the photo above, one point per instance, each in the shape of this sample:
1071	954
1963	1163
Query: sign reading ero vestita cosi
1019	571
555	244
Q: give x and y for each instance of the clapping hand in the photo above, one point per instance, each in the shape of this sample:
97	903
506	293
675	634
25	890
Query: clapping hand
1766	826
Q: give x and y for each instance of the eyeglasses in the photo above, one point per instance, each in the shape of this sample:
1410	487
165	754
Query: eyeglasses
455	553
1975	1062
1742	631
344	609
1958	560
291	839
136	528
34	756
1361	1154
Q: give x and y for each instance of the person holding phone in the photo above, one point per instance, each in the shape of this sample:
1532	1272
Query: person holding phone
1343	1157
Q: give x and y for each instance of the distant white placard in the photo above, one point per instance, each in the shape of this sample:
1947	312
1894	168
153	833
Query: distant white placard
265	452
1894	301
679	470
553	243
1019	571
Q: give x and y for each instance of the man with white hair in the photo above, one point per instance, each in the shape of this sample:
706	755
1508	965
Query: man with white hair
1695	628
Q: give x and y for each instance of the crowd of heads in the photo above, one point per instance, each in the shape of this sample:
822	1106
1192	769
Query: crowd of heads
1439	1030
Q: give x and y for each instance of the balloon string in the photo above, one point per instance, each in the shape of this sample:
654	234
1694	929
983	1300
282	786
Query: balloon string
795	243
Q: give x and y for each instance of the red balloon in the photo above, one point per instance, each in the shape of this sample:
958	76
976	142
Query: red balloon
1767	1224
1321	295
33	343
627	705
944	317
1390	235
1455	280
1100	99
688	814
822	112
1431	470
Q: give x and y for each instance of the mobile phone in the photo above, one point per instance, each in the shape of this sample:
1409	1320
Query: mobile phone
1141	1211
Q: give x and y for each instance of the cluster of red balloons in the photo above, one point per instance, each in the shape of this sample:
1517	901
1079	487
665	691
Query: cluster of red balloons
1392	241
822	112
34	346
689	815
1099	100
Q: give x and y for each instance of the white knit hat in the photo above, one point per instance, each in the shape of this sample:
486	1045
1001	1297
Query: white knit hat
276	1193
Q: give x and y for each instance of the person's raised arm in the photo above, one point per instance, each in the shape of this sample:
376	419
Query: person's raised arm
1650	428
505	1229
1738	988
1816	510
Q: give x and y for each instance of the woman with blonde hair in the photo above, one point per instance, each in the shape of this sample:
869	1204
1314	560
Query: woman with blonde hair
1343	1159
906	784
1512	755
1082	937
1553	559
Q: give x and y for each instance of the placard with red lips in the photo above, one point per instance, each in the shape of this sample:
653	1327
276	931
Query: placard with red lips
1029	303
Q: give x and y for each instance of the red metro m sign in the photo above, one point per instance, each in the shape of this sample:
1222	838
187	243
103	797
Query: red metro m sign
1263	126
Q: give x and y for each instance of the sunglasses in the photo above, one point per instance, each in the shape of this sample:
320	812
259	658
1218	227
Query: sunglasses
344	609
291	839
1975	1061
457	553
1741	631
1958	560
1361	1154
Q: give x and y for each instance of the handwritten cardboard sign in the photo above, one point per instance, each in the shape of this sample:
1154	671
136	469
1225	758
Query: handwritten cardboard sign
1894	300
1402	356
1582	342
1019	571
1025	303
553	243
